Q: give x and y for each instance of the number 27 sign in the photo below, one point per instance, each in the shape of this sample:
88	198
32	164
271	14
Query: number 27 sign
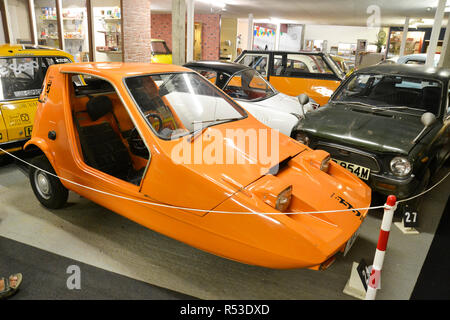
410	217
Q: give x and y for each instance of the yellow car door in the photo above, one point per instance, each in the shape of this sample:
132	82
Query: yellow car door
3	132
160	52
18	118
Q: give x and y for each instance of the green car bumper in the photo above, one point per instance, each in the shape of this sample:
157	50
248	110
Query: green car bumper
389	185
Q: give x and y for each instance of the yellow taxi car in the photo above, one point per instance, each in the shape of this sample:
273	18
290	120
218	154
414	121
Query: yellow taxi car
22	72
294	73
160	52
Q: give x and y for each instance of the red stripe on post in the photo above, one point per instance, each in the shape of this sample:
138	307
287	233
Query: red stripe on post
382	240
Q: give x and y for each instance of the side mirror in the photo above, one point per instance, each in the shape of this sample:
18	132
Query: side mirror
303	99
428	119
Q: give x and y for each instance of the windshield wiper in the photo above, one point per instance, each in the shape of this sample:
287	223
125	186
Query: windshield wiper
200	131
378	108
216	120
197	133
396	108
356	102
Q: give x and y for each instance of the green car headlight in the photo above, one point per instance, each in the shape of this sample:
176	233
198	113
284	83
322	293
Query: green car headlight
302	138
400	166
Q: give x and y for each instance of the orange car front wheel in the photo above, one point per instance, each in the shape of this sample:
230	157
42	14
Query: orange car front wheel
47	188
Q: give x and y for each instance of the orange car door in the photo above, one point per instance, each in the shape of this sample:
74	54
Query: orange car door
317	89
294	74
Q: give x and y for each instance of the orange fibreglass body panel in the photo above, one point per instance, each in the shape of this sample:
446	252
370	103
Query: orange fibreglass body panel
318	89
275	241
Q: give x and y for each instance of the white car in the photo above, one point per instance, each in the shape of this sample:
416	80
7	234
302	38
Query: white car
416	58
255	94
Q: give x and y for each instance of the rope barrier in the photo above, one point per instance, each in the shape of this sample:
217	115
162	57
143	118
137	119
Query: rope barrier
213	211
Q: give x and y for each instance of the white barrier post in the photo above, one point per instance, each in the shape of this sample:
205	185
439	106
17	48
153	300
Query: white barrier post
375	274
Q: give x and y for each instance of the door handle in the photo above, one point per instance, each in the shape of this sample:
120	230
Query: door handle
52	135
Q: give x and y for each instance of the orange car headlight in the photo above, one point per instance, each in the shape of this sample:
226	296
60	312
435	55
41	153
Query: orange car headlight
325	164
284	199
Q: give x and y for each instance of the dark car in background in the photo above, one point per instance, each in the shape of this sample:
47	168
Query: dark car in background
388	124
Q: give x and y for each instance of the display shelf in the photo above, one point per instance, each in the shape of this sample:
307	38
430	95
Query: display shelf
64	19
104	31
107	28
110	52
112	19
56	38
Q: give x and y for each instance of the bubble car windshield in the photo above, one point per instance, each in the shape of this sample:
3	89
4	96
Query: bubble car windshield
178	104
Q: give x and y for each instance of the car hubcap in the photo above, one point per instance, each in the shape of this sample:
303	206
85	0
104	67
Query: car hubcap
42	184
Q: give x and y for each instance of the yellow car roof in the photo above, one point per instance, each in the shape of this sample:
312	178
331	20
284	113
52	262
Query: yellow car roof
11	50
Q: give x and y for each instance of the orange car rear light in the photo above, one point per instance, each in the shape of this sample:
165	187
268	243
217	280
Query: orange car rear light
325	265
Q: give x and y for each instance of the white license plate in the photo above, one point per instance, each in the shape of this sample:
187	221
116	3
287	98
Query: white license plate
359	171
351	241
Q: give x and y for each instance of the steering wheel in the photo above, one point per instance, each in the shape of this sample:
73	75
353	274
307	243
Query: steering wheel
157	116
135	139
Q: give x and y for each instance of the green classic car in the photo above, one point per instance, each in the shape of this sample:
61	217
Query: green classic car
388	124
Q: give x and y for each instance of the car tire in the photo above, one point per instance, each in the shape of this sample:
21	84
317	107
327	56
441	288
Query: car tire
47	188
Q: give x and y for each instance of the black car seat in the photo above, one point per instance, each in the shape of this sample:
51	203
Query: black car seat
384	91
102	147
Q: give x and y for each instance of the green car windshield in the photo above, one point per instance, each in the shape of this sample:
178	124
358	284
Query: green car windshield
387	92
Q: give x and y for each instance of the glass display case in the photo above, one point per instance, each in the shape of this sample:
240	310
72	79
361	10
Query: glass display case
414	42
90	30
75	29
46	23
107	31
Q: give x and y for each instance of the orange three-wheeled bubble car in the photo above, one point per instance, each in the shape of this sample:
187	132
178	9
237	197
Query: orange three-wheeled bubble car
164	147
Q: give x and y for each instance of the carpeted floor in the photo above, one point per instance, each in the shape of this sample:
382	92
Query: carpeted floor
45	276
433	282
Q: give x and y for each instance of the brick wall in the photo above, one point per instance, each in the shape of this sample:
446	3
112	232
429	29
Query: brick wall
210	35
162	29
136	30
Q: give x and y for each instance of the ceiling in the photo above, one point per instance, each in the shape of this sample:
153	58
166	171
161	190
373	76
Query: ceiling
330	12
